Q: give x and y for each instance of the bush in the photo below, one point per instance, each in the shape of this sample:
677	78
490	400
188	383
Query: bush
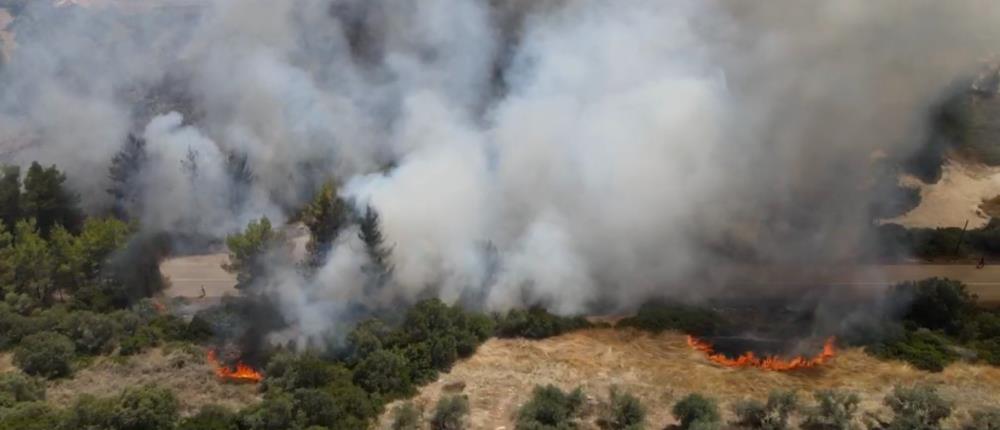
385	372
834	410
16	387
210	417
660	316
937	304
45	354
923	349
917	407
537	323
698	411
146	408
549	408
450	413
275	412
406	417
89	412
625	412
289	372
29	416
317	407
770	416
91	333
988	419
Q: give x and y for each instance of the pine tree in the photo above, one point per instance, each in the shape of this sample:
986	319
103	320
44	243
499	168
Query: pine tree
377	268
47	201
124	172
325	217
10	195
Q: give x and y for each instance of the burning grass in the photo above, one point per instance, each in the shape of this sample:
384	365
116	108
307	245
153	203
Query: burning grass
661	369
769	362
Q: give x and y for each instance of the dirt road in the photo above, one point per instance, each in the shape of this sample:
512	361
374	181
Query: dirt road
187	275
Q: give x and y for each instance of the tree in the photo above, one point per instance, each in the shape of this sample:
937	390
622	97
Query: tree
241	176
276	412
917	407
91	413
385	372
248	251
16	387
938	304
624	412
124	171
770	416
450	413
549	408
834	410
10	195
696	410
146	408
325	217
33	264
45	354
378	268
47	200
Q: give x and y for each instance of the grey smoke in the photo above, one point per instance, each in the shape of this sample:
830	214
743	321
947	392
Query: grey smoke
604	150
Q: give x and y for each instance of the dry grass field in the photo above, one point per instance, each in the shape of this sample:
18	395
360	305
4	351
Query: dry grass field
661	369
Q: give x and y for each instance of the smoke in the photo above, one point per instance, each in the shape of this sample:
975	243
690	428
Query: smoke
569	153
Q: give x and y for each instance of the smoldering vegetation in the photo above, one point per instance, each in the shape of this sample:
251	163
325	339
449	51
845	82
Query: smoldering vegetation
575	155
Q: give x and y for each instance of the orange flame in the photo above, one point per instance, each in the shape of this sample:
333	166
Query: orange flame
241	373
749	359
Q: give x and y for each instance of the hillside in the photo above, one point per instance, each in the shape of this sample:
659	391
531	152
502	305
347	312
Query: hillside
661	369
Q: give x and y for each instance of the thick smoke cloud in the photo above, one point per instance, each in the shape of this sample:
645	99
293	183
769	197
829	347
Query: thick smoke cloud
569	153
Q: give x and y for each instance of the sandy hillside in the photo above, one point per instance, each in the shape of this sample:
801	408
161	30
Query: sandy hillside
185	372
955	198
661	369
188	274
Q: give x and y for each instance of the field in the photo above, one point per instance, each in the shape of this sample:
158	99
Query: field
660	369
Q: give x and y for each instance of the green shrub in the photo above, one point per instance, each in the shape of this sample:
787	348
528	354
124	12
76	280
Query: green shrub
923	349
450	412
317	407
406	417
91	333
90	412
937	304
549	409
384	372
660	316
988	419
275	412
772	415
29	416
696	410
624	412
16	387
144	338
146	408
834	410
917	407
210	417
537	323
45	354
988	351
289	372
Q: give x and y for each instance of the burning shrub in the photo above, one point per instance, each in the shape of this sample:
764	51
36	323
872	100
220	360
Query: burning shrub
772	415
406	417
917	407
537	323
16	387
983	420
660	316
835	410
146	408
923	349
210	417
549	408
46	354
450	412
625	412
697	411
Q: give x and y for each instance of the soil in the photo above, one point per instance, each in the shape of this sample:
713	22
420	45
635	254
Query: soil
955	199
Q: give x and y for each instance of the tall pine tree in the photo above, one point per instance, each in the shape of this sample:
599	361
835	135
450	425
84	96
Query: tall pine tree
124	172
325	217
48	201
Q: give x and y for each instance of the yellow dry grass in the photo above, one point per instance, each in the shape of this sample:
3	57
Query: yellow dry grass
184	372
6	362
660	369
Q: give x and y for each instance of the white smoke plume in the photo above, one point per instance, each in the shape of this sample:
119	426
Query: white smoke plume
568	153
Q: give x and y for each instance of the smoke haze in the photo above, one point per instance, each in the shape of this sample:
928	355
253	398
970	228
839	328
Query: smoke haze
568	153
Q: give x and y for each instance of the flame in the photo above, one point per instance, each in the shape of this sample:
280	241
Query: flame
241	373
749	359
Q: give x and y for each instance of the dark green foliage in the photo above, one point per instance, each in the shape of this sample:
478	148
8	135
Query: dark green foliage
772	415
29	416
276	412
91	333
835	410
124	172
659	316
378	269
46	200
450	413
325	217
146	408
917	407
289	372
624	412
988	350
322	393
210	417
249	249
317	407
406	417
45	354
17	387
367	337
923	349
10	195
937	304
386	372
549	409
90	413
537	323
696	410
988	419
